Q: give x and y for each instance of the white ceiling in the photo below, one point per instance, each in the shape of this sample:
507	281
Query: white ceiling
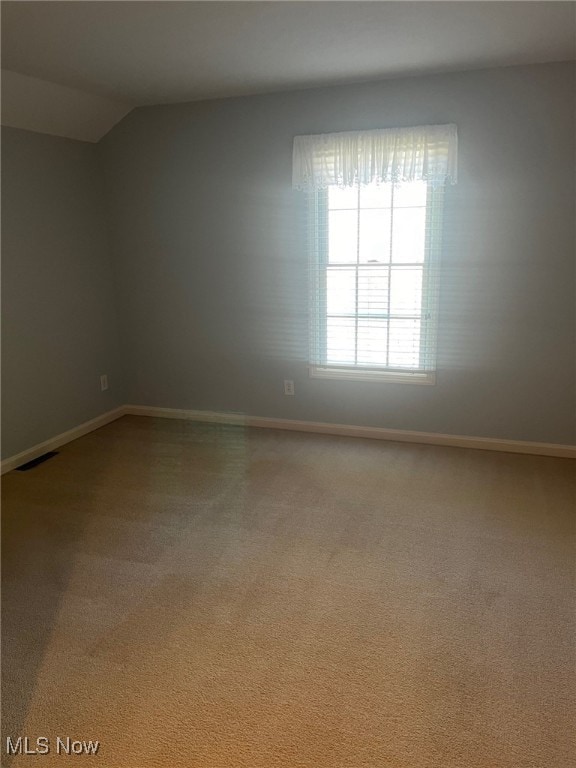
45	107
161	52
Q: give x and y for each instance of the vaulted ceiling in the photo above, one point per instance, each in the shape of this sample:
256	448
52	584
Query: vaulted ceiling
124	54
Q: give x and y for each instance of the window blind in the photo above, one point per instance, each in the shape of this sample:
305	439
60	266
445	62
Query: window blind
375	221
373	281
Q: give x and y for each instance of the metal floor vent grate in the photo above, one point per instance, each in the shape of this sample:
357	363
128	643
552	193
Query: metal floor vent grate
35	462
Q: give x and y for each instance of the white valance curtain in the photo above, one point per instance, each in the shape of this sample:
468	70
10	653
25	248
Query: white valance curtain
423	153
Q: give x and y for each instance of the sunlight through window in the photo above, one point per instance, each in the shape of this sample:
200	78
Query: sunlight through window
373	286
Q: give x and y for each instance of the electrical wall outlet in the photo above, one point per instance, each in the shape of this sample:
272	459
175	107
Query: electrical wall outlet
288	387
103	382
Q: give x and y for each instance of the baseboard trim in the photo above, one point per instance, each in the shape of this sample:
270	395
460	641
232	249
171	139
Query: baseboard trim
347	430
344	430
65	437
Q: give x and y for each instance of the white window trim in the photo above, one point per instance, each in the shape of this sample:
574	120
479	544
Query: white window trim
357	373
427	378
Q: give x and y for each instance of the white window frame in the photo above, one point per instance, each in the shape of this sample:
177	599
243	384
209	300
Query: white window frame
318	367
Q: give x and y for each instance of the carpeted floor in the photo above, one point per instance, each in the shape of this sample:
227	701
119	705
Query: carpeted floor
213	597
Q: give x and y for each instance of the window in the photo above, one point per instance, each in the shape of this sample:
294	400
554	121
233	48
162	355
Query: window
374	251
375	215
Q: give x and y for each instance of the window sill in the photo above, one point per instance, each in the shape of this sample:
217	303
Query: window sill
398	377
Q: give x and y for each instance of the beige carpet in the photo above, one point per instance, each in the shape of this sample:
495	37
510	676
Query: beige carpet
207	596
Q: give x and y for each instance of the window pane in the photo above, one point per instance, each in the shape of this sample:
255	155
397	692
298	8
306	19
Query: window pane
340	290
410	193
371	248
373	290
342	198
342	236
375	196
372	342
408	235
375	235
404	343
340	333
406	291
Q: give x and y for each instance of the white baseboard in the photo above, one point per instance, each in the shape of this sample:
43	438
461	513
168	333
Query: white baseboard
347	430
59	440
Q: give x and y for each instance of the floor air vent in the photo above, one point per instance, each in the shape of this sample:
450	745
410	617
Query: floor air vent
35	462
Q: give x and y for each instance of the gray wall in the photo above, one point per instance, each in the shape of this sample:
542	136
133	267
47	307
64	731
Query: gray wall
59	311
210	243
208	265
